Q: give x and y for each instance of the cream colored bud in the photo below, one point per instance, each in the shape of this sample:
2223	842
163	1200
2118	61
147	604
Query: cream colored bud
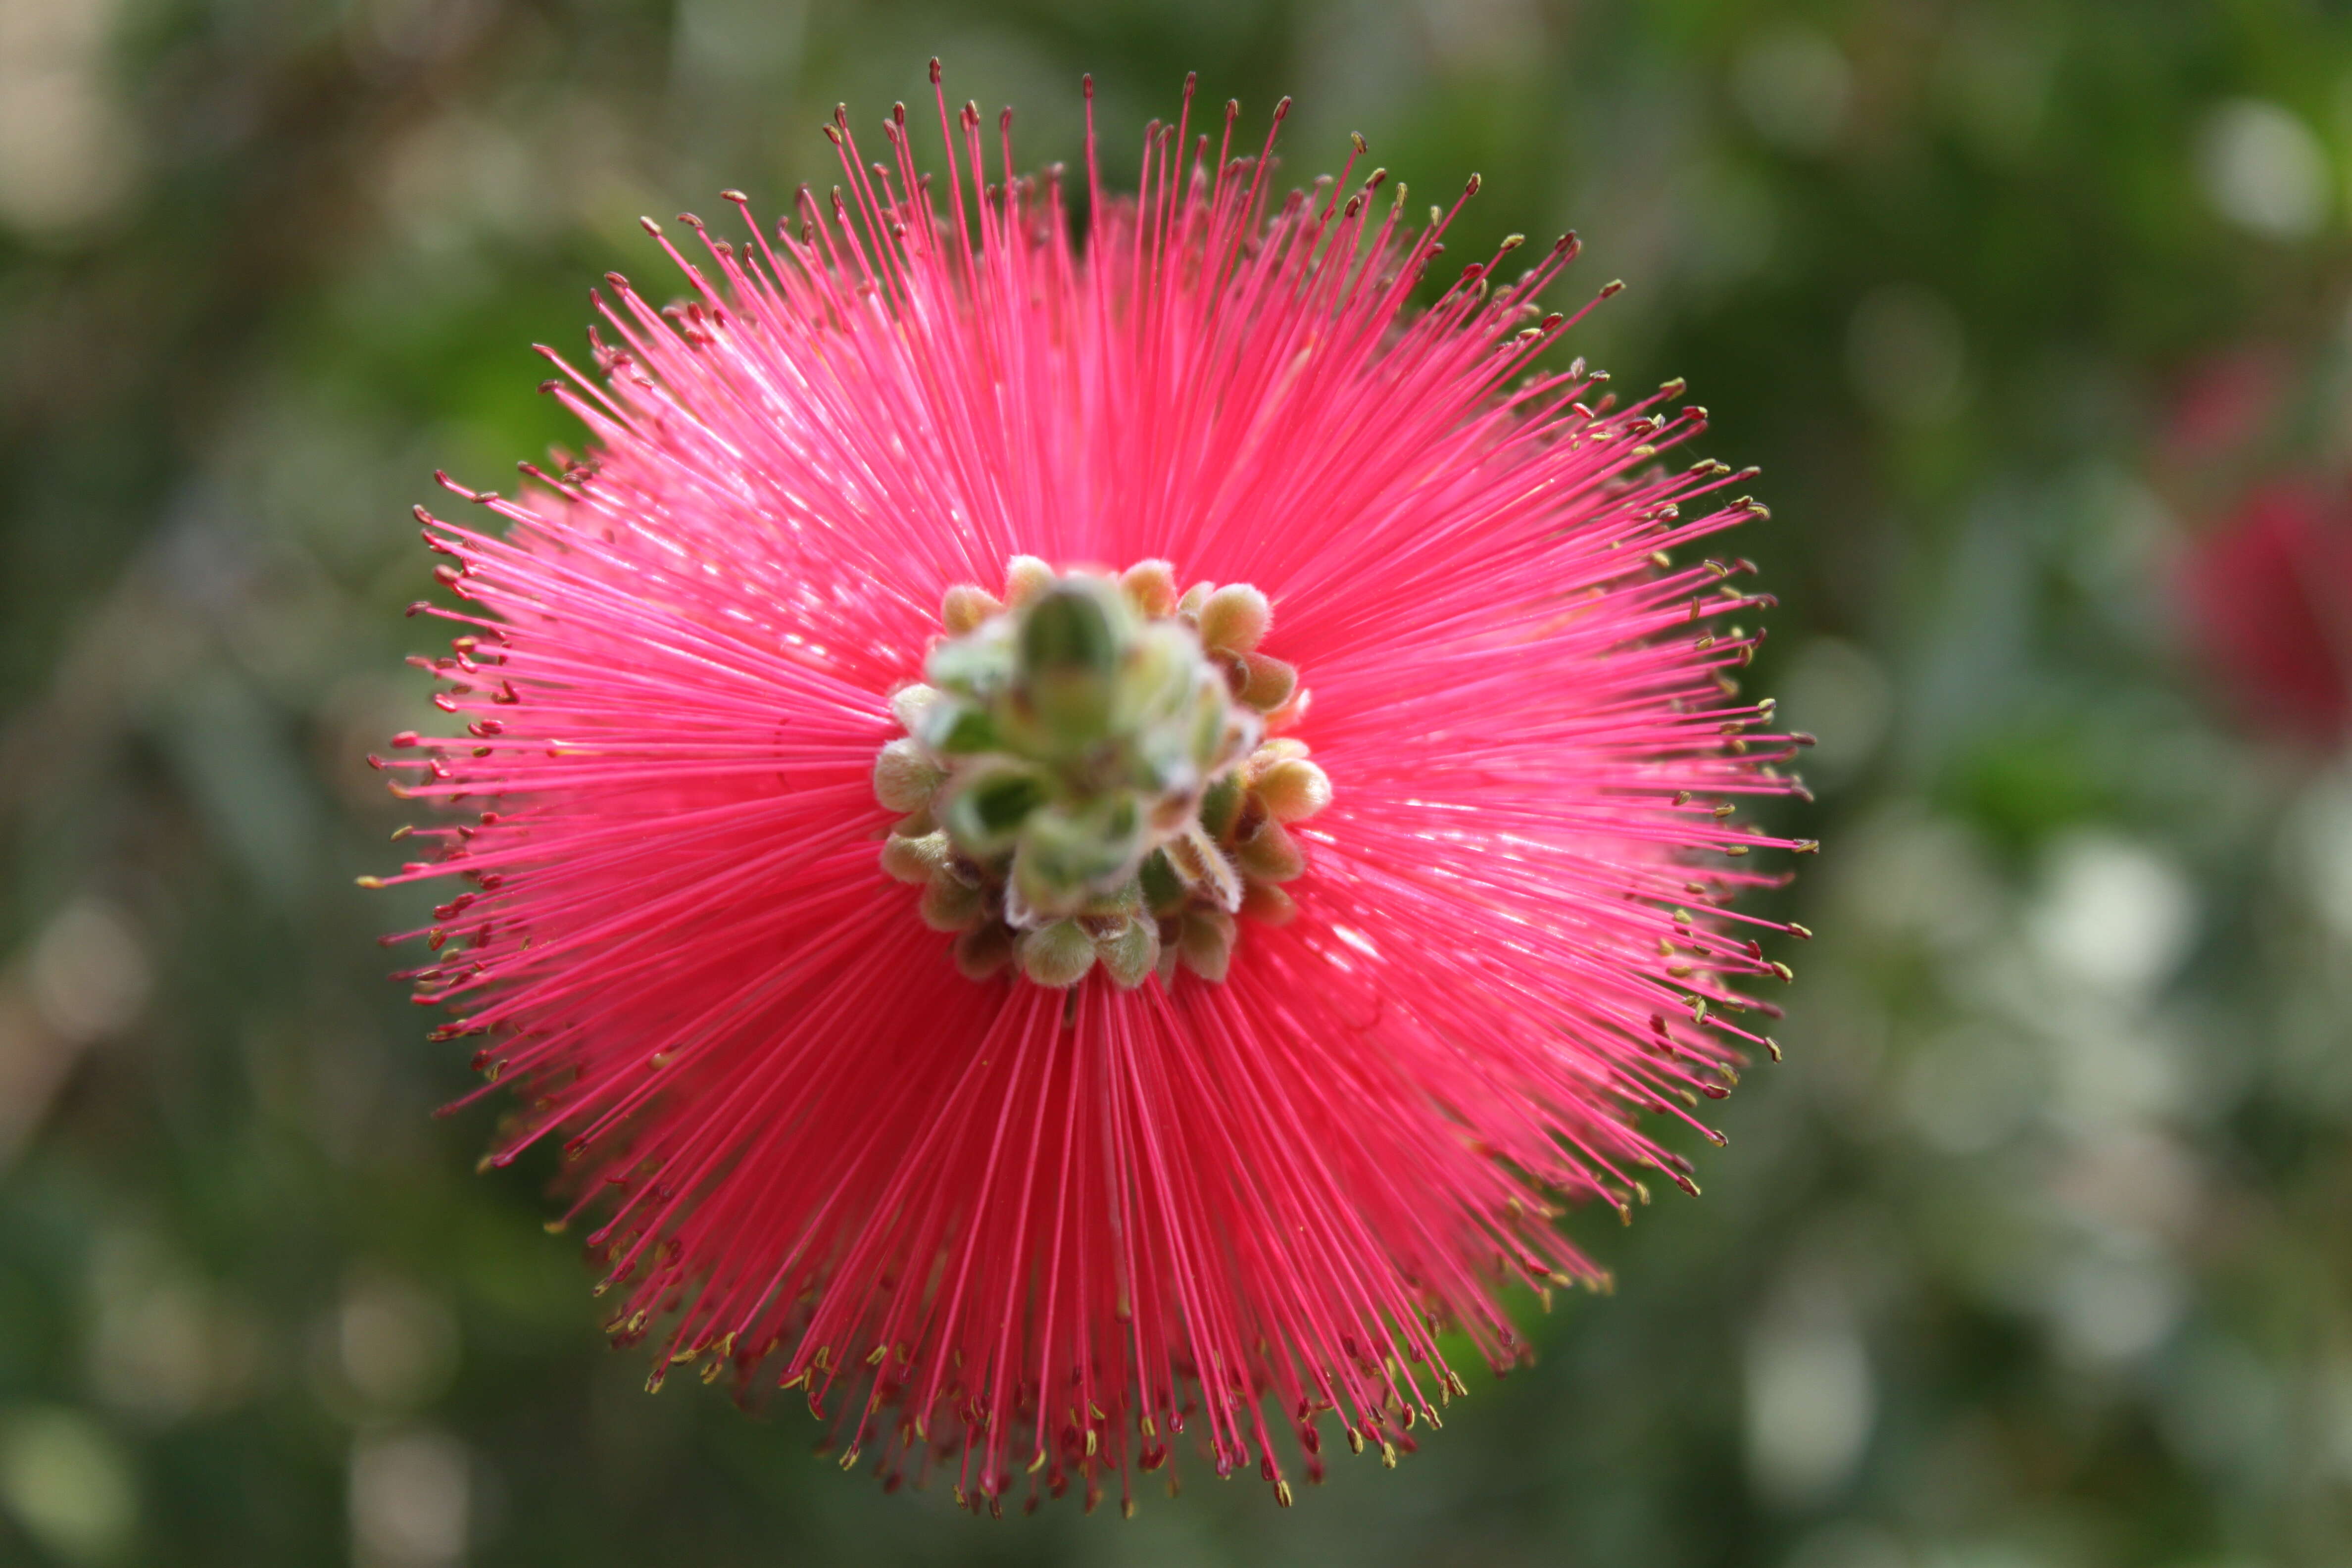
1025	578
1206	944
1294	790
966	607
1195	859
948	904
1270	853
1268	682
1194	597
1131	953
1122	902
1150	587
1233	619
1268	905
1290	712
911	704
983	951
1262	760
1056	956
904	777
915	859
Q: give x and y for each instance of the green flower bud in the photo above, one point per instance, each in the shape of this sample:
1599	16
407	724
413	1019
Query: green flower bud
1294	790
1163	891
1220	805
1209	722
1056	956
905	776
955	729
1270	853
979	666
1131	953
1155	679
1234	619
1068	853
948	904
1072	648
1073	627
988	805
1073	761
1206	943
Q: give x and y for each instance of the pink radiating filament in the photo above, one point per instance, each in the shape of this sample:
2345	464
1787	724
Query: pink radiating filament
986	1227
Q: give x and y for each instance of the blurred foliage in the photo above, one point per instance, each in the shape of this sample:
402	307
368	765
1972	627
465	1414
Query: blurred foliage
2032	1253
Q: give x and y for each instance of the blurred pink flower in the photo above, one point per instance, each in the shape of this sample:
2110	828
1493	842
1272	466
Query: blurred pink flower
1025	1167
2270	596
2225	402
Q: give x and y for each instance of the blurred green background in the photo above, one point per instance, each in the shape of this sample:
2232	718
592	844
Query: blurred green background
2035	1252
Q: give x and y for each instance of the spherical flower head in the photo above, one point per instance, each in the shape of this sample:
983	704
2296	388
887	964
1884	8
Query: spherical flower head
1082	844
2269	595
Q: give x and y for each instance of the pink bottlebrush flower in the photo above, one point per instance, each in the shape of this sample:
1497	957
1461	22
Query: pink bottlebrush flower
1045	1016
2268	593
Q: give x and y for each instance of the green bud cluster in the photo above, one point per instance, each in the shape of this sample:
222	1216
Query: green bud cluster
1082	779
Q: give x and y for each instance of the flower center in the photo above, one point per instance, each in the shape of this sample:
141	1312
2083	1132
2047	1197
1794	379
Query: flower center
1087	778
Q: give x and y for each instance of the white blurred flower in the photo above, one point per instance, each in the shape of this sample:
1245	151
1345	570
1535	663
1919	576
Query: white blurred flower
1902	874
2110	1304
68	1482
90	974
2113	913
410	1500
457	174
69	152
2314	849
1809	1398
1970	1089
85	977
2263	169
162	1344
396	1345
